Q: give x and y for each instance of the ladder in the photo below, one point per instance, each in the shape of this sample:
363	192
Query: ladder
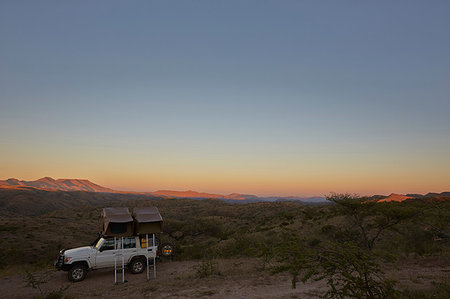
119	259
150	249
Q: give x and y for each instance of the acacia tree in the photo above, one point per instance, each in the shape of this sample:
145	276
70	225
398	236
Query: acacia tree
350	272
438	218
293	257
347	262
369	220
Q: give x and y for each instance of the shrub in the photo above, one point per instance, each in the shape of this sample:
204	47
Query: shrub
207	268
351	272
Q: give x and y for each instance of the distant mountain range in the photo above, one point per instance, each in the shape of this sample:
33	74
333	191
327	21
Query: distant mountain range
200	195
50	184
394	197
236	197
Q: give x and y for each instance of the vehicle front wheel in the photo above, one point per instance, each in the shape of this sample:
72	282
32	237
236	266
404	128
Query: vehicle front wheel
77	273
137	265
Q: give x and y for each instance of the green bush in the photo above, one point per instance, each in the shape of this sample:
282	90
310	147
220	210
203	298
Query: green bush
207	268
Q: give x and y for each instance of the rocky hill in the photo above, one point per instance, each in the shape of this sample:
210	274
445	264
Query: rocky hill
50	184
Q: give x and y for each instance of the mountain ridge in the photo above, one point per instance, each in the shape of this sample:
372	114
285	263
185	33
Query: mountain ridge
50	184
394	197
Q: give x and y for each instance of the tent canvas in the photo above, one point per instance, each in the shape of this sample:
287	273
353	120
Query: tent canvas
148	220
117	222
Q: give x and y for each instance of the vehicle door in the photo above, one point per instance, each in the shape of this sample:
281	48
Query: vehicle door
129	248
106	254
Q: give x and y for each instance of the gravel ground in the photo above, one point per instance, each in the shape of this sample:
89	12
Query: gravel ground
233	278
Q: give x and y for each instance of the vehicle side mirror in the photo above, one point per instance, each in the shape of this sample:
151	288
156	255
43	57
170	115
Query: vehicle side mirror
101	250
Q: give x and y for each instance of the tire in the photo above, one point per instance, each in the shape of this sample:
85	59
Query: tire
77	273
137	265
167	250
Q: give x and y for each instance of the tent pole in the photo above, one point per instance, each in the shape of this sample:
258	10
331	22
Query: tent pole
123	265
146	258
115	262
154	257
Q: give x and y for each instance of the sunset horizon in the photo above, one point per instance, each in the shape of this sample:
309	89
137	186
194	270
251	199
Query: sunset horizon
226	191
265	98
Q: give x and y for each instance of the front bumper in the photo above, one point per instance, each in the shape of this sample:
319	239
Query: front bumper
59	263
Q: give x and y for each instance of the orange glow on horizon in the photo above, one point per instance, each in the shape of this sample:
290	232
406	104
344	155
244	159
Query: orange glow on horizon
292	174
261	186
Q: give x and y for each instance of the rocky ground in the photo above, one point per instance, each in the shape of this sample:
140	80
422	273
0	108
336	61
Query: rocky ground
234	278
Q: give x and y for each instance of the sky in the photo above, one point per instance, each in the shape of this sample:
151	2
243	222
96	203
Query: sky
261	97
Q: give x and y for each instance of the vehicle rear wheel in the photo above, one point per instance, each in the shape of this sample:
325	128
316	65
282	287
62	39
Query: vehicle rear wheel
77	273
137	265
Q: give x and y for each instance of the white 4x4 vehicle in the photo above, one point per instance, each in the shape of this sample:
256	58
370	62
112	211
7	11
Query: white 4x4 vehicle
104	254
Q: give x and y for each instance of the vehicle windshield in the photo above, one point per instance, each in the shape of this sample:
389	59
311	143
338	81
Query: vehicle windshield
93	243
99	243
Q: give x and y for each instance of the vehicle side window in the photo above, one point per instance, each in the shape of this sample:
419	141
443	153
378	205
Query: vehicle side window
143	239
143	242
129	242
108	245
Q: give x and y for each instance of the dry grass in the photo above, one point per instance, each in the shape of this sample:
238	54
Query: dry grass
203	230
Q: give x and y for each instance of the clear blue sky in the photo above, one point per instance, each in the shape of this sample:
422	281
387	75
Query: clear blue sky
263	97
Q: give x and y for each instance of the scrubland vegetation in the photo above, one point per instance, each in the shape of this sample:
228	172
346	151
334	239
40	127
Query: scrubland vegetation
350	244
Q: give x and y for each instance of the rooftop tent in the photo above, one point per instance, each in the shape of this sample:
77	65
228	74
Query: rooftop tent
117	222
147	220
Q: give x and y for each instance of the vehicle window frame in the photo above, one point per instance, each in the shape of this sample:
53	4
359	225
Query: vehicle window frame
132	241
109	240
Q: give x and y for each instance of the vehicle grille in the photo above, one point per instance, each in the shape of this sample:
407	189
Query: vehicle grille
59	260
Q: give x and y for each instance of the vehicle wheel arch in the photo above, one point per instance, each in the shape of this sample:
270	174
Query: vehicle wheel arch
84	263
137	258
78	271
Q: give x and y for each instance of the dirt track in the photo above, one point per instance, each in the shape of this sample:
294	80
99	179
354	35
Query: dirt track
236	278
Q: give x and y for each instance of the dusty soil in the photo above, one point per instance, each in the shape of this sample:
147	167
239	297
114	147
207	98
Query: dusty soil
234	278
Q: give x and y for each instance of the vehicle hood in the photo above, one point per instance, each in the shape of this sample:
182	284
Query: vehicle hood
79	251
